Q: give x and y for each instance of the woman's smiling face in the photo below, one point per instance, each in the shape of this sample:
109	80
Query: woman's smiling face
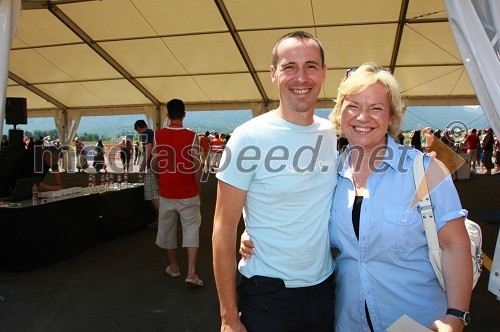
365	117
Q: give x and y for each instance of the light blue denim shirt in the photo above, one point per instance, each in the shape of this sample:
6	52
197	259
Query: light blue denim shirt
389	266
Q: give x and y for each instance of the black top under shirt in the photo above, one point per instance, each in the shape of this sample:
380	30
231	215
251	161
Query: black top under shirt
356	213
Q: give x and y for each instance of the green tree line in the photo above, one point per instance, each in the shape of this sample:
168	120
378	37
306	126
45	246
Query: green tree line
86	137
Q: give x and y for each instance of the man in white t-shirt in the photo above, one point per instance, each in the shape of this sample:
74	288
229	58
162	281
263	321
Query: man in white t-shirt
280	170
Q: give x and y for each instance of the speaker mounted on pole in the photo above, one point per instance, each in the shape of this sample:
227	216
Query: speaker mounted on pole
16	111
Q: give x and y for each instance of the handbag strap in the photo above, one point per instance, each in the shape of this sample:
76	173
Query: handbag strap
424	202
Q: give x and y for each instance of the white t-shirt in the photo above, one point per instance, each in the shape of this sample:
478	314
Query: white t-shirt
289	173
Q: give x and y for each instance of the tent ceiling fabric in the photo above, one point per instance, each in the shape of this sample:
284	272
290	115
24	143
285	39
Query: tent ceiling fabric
98	55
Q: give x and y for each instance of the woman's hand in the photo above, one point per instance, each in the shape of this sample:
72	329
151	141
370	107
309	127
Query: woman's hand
429	139
447	324
246	246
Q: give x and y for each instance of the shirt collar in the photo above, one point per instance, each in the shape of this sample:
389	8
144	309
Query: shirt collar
392	157
398	151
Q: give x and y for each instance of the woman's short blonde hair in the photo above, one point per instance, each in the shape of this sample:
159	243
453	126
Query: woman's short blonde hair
357	80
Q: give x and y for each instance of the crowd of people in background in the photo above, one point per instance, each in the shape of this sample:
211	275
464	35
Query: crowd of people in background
212	144
30	143
480	148
99	156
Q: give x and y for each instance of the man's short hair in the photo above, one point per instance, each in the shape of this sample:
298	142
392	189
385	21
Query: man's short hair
140	124
300	35
176	109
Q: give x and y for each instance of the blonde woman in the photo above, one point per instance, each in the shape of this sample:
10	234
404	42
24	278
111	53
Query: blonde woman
383	269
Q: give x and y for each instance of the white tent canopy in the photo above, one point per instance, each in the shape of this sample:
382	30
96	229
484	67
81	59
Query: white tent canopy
120	56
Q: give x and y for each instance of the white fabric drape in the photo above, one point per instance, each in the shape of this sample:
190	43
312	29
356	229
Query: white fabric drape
153	117
9	14
257	109
164	121
67	124
74	117
476	27
60	122
494	282
260	108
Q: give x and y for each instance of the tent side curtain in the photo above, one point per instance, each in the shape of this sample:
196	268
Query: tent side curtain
74	117
153	117
260	108
9	14
476	25
164	121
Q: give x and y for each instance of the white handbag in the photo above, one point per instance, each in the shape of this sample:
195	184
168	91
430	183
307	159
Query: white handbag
427	213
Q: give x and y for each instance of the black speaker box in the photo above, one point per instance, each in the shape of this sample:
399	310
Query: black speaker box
16	139
16	111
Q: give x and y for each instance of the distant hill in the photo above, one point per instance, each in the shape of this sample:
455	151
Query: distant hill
220	121
441	117
226	121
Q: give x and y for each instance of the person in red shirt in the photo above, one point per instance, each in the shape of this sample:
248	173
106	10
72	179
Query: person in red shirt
80	159
472	141
79	146
176	162
217	147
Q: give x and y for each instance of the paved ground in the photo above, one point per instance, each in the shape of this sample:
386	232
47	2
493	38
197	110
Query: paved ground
120	285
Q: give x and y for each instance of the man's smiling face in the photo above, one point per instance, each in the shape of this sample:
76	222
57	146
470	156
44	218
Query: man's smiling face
299	74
